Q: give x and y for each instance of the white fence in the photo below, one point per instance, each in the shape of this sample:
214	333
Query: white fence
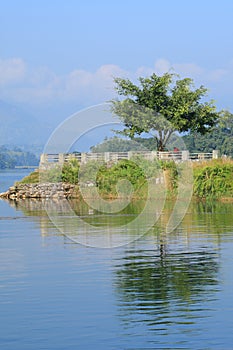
50	160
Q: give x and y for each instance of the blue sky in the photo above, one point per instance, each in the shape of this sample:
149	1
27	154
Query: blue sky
59	56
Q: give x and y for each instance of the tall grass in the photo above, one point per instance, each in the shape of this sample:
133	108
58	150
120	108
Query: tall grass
213	179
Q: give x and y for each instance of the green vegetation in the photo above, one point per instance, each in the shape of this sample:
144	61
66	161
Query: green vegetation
108	178
10	158
214	179
220	138
32	178
163	104
88	171
116	144
70	172
51	175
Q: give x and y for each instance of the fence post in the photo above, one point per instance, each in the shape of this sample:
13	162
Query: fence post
83	158
61	158
215	154
154	155
42	159
185	156
129	155
106	157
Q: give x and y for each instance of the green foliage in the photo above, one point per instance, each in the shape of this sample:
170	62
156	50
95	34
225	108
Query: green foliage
117	144
31	178
108	178
163	104
52	175
70	171
214	180
220	138
88	171
150	168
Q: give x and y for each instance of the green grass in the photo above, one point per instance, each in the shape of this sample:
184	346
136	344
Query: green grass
214	179
30	179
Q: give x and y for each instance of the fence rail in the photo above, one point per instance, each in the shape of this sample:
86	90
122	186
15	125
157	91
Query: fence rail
50	160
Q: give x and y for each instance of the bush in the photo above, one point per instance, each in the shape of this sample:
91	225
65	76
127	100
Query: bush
214	180
89	171
51	175
70	171
108	178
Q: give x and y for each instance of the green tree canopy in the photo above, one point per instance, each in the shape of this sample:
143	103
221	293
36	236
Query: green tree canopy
220	137
163	104
117	144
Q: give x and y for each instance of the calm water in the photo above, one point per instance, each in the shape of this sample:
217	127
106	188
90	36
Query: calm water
160	292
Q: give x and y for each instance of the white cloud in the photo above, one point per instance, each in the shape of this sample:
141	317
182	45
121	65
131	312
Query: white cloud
162	66
87	86
74	83
21	83
11	71
41	84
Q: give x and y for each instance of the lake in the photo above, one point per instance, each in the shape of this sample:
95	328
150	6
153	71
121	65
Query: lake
160	291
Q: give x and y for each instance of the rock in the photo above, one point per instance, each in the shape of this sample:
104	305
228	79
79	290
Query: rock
4	194
42	191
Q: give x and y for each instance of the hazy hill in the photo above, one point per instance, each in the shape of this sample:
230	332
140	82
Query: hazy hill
19	127
16	157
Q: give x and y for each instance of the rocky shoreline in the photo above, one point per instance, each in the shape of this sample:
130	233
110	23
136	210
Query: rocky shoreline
58	190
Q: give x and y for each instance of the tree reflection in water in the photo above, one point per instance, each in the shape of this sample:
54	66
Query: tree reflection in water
167	288
165	279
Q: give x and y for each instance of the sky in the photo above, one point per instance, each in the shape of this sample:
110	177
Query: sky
57	57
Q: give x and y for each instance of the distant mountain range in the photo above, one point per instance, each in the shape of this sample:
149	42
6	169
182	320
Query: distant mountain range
18	127
29	127
16	157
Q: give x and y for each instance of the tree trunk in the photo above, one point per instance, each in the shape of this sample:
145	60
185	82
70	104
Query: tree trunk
160	146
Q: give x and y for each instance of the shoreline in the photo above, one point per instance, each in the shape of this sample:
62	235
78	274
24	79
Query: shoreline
64	190
212	180
46	190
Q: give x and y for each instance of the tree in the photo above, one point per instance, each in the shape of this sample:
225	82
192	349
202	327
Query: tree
226	122
220	137
163	104
117	144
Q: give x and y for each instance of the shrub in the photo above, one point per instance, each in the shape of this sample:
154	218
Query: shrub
89	171
70	171
108	178
214	180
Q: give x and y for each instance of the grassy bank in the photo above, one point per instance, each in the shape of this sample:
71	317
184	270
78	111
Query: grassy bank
212	179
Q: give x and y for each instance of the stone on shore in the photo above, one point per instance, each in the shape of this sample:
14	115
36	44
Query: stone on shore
58	190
